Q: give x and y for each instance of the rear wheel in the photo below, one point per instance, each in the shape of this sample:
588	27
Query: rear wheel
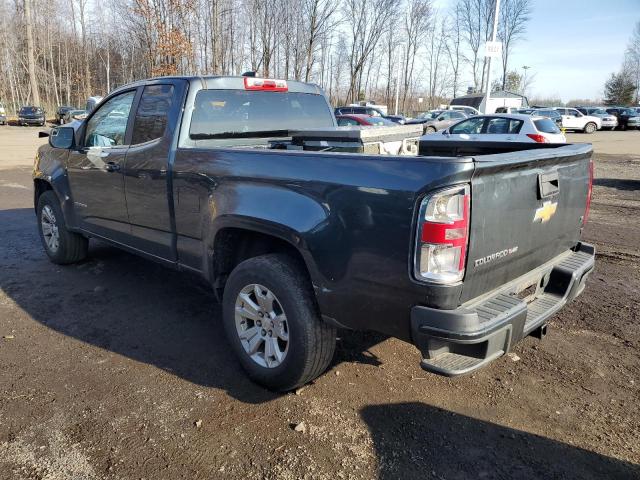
61	245
590	127
273	323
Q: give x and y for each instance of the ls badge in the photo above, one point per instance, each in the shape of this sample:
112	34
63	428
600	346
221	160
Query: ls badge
545	212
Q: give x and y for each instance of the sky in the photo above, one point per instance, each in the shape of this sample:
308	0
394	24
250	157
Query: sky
572	46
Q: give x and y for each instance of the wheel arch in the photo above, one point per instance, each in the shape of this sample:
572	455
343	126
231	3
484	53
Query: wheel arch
232	244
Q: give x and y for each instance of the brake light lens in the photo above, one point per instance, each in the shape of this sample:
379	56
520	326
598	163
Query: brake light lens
536	137
443	236
266	84
589	192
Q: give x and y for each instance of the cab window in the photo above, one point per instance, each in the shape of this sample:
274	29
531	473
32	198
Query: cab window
153	113
108	126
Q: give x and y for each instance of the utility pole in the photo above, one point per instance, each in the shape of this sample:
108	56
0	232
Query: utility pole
493	39
400	48
524	79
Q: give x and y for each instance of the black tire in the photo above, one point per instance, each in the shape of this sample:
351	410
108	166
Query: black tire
590	128
429	130
72	247
311	341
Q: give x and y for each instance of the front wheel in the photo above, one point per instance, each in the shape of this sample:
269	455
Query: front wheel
590	127
61	245
273	323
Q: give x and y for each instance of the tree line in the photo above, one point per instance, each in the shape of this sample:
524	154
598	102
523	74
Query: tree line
60	52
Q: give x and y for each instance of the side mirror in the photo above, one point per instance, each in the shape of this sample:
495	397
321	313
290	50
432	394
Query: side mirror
62	137
445	133
440	119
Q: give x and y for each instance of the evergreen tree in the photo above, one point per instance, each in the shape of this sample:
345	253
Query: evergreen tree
619	89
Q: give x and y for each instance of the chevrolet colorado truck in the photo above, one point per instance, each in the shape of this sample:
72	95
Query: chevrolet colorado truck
462	250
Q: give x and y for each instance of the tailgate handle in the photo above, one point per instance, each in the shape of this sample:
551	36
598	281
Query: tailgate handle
548	184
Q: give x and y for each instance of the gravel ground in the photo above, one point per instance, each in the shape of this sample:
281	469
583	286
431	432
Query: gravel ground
118	369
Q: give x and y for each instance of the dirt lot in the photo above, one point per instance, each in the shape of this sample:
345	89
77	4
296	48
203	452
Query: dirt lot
117	369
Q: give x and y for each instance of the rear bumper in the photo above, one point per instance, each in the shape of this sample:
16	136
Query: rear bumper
455	342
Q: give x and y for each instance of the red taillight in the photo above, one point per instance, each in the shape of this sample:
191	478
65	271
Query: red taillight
266	84
589	193
538	138
443	236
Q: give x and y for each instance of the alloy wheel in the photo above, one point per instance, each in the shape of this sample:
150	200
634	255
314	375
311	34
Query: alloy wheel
261	324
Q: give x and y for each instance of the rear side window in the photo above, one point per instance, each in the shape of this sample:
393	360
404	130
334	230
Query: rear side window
545	125
469	127
224	114
153	113
498	126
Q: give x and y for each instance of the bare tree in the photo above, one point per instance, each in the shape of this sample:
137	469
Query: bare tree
31	61
418	18
632	61
453	46
367	20
512	25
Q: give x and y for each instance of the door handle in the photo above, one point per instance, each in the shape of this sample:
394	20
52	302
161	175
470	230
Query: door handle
111	167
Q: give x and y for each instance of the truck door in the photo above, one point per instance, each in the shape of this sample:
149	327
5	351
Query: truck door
146	169
95	169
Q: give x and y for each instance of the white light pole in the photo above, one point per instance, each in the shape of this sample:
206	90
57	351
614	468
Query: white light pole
493	39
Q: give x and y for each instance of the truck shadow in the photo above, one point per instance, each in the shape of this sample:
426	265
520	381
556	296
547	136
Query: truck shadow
136	308
418	441
618	183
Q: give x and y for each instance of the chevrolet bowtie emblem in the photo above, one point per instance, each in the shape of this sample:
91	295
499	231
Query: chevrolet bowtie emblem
545	212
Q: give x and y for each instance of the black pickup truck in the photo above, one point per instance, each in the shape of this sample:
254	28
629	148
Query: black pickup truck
461	252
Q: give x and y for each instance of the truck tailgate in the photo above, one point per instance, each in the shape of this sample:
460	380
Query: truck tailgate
527	207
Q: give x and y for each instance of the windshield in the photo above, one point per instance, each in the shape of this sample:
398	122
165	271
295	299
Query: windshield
251	114
597	111
30	110
429	115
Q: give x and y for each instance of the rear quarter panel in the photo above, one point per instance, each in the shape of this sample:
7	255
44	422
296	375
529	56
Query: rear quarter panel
350	216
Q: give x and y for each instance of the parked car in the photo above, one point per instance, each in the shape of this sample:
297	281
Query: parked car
60	113
92	102
572	119
439	120
3	114
627	117
467	110
463	257
362	120
30	115
502	128
72	115
367	110
609	121
549	113
423	117
507	110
